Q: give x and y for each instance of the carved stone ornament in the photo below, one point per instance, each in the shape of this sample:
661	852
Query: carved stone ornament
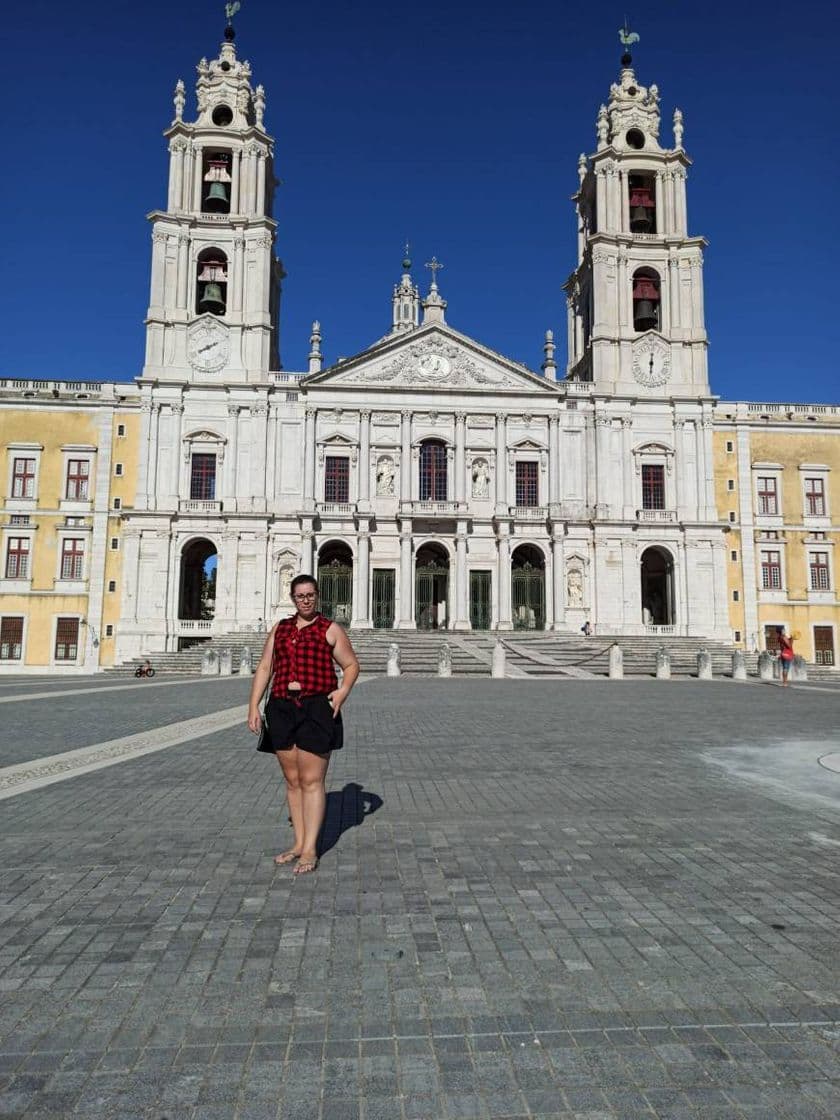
651	361
434	361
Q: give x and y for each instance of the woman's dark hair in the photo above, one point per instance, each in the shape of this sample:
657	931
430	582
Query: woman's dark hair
298	580
779	629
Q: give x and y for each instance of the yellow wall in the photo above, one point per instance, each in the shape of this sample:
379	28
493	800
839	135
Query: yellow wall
726	471
125	450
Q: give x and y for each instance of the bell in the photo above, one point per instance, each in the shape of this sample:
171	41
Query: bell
211	299
212	270
217	197
640	219
644	315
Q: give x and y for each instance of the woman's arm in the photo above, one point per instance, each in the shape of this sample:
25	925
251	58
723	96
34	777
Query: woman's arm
344	654
262	676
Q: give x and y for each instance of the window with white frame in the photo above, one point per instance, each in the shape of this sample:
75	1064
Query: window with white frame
17	558
820	575
23	476
78	480
72	558
814	489
767	493
771	569
66	639
11	638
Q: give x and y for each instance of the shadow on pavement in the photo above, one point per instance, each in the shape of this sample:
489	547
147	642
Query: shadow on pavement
346	808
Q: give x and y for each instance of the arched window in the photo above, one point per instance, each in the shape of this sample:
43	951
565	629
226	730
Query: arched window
211	282
433	471
642	190
646	298
215	198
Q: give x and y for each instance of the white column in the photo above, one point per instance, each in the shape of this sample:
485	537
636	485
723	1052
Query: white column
172	194
700	444
175	461
309	461
271	466
624	299
600	199
234	186
182	285
501	464
154	451
197	183
306	552
680	467
623	180
553	460
259	435
405	620
668	205
361	609
260	199
627	466
405	457
602	465
251	173
232	451
504	621
460	449
559	621
709	503
236	274
364	459
462	610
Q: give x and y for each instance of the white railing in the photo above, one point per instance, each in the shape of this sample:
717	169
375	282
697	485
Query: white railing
529	513
434	509
652	628
286	378
657	515
19	385
196	625
337	509
581	388
193	505
802	409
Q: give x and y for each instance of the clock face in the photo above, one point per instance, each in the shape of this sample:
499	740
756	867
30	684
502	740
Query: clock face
207	346
651	362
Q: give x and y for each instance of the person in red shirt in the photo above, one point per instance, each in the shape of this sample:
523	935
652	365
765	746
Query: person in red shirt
786	654
303	724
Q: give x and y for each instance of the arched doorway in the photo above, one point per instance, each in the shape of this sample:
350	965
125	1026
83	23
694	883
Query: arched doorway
431	588
197	595
527	588
657	587
335	582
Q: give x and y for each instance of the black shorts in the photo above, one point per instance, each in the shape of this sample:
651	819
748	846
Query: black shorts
309	725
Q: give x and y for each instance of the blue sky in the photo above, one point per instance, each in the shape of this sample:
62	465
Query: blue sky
457	127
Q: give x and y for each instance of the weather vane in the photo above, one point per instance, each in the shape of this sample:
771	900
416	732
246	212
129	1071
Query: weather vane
231	10
627	37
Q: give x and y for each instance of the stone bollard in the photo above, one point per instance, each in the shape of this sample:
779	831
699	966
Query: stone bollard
704	665
798	669
498	665
209	663
616	663
663	664
445	661
226	662
765	666
739	666
245	667
393	668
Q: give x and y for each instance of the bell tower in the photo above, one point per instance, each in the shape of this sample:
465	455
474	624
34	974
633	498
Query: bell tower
215	283
635	300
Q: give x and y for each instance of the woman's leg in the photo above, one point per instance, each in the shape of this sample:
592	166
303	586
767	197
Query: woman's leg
291	772
312	771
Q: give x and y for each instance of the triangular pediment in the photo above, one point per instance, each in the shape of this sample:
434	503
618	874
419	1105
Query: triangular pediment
433	357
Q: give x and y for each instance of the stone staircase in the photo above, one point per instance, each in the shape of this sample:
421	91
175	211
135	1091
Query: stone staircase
528	654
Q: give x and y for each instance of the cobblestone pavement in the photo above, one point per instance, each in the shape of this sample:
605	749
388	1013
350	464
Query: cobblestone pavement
537	899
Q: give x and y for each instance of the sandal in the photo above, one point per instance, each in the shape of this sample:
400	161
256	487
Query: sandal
286	857
306	865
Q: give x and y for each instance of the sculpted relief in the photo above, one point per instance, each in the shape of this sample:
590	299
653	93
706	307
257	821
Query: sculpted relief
432	362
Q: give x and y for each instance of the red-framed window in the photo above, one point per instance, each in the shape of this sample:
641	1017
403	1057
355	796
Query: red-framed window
820	575
527	484
11	638
815	497
78	477
23	478
824	645
203	477
337	479
653	486
17	558
768	497
771	570
67	639
433	472
72	558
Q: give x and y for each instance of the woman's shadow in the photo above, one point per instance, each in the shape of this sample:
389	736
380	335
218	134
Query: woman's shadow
346	808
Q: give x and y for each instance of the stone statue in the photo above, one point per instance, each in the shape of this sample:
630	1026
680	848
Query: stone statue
603	126
179	100
480	479
678	129
445	661
285	585
385	476
392	668
574	588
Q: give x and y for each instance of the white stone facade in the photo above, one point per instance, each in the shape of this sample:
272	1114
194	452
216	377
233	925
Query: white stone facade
526	501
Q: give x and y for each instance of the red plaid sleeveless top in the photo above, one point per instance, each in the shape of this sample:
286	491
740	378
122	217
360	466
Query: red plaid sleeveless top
304	656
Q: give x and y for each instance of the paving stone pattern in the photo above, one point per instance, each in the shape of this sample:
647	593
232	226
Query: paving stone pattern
537	900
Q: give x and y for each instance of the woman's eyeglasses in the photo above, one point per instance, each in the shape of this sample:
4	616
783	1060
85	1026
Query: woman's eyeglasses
305	598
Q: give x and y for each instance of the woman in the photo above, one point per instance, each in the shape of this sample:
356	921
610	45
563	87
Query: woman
785	653
303	714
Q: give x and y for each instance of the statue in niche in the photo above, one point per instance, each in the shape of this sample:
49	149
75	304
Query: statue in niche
385	476
285	585
480	479
574	588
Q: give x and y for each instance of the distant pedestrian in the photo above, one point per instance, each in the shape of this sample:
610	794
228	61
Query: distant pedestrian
586	629
303	715
786	654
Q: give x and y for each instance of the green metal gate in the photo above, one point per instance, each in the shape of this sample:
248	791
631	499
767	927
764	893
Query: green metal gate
383	598
527	585
430	588
335	583
480	605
